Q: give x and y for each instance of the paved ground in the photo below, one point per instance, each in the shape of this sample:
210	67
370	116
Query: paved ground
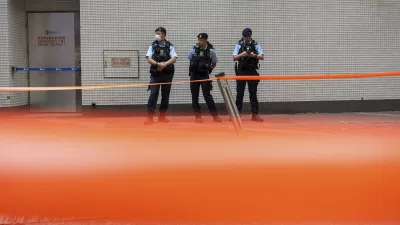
291	169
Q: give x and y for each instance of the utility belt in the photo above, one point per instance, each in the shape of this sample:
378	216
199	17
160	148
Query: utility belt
170	69
163	76
200	67
246	66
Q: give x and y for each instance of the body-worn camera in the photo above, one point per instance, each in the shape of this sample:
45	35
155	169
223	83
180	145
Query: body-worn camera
248	49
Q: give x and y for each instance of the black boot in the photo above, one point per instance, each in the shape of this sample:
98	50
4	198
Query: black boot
256	117
198	118
217	119
162	118
149	119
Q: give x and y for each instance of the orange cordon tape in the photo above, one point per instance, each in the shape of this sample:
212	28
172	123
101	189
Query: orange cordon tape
269	77
20	89
313	77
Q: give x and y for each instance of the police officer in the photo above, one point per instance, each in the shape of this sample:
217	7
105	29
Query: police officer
247	53
203	60
161	56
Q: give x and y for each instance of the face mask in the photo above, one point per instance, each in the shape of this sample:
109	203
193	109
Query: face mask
157	37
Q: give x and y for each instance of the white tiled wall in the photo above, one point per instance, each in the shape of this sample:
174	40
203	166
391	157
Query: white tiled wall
4	58
13	51
298	37
18	48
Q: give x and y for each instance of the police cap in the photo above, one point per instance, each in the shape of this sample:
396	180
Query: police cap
161	29
246	32
202	36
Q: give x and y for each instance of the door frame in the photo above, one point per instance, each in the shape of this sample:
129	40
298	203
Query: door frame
78	74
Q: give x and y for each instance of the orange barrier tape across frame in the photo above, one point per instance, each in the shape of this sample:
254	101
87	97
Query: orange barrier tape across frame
314	77
269	77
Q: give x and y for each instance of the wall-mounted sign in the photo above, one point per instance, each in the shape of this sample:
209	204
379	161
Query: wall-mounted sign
51	41
121	62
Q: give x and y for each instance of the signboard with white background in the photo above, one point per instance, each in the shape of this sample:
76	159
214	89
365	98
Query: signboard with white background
52	45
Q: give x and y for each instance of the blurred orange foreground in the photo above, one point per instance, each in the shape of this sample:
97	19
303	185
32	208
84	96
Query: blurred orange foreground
342	168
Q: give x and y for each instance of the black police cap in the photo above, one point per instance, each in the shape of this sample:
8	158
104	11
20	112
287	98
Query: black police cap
161	29
202	35
246	32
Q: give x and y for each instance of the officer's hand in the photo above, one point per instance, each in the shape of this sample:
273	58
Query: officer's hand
159	67
163	65
252	54
244	54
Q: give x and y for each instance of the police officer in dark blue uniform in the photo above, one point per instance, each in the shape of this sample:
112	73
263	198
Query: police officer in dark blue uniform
203	60
161	56
247	53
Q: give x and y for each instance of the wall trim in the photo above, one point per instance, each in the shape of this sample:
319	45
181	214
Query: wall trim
265	108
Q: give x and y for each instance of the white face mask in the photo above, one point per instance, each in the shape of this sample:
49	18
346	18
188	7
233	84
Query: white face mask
157	37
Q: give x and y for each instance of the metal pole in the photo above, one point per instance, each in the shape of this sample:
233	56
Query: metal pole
229	102
235	110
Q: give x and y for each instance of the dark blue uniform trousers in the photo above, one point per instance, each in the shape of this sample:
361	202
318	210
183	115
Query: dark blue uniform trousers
252	85
206	89
155	90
